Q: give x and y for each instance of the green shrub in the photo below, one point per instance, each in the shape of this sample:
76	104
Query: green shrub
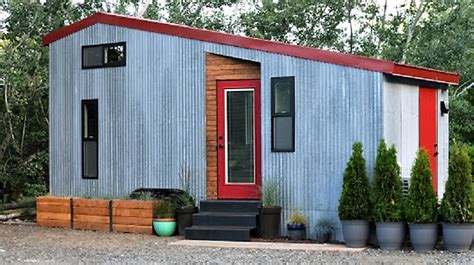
354	202
297	218
457	203
165	209
271	193
35	190
421	204
387	190
145	196
324	226
185	178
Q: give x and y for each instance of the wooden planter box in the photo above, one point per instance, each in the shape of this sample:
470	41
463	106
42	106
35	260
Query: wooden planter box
133	216
91	214
53	211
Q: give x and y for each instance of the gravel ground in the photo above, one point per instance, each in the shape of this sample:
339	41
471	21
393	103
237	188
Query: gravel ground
28	244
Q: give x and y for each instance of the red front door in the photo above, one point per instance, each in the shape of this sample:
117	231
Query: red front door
428	129
238	139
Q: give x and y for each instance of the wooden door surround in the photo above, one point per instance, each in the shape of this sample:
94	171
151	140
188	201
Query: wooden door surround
220	68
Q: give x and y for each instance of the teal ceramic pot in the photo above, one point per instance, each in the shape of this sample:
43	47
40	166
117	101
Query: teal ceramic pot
164	227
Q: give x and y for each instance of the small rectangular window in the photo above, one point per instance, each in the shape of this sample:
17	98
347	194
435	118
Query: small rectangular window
104	55
90	138
283	114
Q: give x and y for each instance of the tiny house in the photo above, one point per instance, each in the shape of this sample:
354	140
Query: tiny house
133	102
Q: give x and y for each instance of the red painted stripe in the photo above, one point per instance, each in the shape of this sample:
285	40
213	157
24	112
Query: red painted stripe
257	44
428	129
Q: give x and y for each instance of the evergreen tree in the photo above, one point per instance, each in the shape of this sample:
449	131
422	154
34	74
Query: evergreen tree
421	206
353	204
457	204
387	196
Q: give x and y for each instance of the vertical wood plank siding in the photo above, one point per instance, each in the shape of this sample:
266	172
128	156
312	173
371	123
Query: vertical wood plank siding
220	68
153	119
401	124
443	143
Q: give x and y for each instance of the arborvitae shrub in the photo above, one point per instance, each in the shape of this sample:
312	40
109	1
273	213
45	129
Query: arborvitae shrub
421	204
354	202
387	196
457	204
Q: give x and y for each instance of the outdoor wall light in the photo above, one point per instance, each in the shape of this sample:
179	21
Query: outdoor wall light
444	109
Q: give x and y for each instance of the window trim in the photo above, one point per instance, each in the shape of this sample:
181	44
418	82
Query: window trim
290	114
84	139
104	46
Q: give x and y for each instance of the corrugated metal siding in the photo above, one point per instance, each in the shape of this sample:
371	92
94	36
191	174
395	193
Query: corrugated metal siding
152	118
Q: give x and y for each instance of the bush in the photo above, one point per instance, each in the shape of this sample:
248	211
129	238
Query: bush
297	218
271	194
354	202
387	190
457	204
421	205
165	209
185	178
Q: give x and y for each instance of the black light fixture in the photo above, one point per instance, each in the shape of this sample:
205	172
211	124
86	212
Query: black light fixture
444	109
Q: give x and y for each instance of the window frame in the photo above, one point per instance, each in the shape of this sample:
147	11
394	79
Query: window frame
85	102
104	46
290	114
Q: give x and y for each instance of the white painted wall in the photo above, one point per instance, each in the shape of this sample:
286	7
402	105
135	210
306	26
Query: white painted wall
443	143
401	126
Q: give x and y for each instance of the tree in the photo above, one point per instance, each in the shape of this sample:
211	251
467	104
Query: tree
387	196
354	204
305	22
24	102
457	205
199	14
421	205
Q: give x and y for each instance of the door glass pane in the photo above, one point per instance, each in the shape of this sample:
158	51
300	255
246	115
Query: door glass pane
283	133
240	137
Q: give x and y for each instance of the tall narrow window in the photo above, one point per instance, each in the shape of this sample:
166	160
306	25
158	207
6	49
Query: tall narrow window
90	133
283	114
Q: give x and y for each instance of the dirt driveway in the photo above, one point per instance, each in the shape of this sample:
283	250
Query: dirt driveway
32	244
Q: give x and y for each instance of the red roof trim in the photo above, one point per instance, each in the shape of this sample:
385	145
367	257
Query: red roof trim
257	44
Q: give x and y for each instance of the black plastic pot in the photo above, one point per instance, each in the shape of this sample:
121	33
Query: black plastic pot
184	218
296	231
269	222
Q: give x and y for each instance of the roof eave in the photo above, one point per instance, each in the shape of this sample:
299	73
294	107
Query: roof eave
331	57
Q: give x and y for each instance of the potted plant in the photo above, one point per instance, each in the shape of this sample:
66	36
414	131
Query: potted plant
323	231
421	205
457	207
164	222
270	213
387	194
353	205
184	213
297	226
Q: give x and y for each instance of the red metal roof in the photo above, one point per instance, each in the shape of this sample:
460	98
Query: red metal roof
332	57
